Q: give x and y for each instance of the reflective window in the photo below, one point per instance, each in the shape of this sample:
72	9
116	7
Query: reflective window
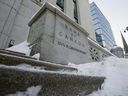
98	38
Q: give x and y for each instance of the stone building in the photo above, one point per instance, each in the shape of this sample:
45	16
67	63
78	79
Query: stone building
15	15
60	39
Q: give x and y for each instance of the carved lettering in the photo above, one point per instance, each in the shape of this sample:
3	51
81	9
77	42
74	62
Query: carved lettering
71	35
70	47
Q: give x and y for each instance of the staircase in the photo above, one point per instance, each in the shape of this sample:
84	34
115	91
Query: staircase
52	81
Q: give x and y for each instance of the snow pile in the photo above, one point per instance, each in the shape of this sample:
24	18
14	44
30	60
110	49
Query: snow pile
114	69
22	47
37	56
28	67
116	72
31	91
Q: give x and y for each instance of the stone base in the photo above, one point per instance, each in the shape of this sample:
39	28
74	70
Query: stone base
53	84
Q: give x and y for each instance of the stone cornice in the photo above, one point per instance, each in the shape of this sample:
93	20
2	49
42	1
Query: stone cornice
55	10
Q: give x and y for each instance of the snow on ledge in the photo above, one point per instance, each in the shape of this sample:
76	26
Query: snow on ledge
22	48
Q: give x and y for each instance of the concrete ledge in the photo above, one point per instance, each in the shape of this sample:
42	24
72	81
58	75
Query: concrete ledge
16	60
53	84
15	53
11	52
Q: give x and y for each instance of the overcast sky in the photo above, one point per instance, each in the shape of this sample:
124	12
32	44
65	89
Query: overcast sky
116	12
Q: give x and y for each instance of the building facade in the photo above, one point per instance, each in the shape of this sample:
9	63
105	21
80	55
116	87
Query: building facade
103	31
15	15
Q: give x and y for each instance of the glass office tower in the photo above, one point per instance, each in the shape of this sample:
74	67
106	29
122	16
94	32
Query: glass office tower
103	31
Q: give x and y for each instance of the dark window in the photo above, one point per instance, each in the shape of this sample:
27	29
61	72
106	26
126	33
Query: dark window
98	37
75	11
11	43
60	3
39	0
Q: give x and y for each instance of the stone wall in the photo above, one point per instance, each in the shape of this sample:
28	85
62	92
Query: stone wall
97	52
8	12
14	18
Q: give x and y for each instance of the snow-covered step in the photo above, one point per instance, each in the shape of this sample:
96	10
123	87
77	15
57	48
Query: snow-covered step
15	53
9	59
11	52
24	82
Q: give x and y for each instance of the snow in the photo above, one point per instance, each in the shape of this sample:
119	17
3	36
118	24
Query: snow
37	56
31	91
22	47
114	69
25	67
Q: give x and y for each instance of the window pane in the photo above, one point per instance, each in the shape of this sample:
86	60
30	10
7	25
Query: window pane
60	3
75	11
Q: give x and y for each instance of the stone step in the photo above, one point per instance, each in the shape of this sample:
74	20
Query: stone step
15	53
10	60
53	84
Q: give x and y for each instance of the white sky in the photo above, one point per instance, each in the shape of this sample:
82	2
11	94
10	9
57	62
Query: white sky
116	12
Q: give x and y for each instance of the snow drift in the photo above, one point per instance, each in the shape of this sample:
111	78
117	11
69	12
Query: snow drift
114	69
116	72
22	47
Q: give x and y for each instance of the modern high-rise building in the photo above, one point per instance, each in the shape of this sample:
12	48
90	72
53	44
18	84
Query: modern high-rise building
103	31
15	15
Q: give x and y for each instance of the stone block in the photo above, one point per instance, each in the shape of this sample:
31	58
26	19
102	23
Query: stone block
25	11
3	37
31	5
8	2
4	9
9	23
17	4
21	21
62	40
18	34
